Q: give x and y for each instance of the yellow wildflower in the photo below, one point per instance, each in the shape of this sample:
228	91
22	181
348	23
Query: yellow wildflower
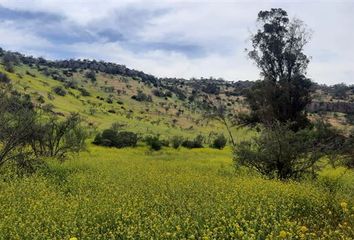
344	206
304	229
282	234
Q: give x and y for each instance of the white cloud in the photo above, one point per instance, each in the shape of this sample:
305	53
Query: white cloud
13	38
219	28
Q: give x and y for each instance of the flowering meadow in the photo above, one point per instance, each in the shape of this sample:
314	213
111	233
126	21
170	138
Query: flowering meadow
175	194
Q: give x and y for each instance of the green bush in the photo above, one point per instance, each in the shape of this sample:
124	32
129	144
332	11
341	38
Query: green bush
176	141
60	91
154	142
219	142
279	152
197	142
84	92
113	138
4	78
126	139
56	138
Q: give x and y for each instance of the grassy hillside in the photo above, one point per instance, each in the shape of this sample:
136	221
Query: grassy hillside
137	193
110	100
185	194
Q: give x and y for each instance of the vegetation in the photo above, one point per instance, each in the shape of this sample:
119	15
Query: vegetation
142	97
17	119
60	91
282	153
284	92
24	134
219	142
176	141
154	142
56	138
148	173
114	138
124	193
197	142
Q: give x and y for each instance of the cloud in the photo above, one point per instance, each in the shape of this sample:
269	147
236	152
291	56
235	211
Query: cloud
174	38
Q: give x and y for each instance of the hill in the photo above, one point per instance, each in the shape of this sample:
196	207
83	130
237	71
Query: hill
137	193
106	92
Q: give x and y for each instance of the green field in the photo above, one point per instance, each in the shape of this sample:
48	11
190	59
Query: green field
135	193
172	194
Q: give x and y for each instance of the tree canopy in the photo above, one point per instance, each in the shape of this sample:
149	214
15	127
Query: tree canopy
278	51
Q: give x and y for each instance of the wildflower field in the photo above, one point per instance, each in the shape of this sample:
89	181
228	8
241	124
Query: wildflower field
173	194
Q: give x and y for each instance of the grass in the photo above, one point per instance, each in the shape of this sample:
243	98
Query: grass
141	117
173	194
135	193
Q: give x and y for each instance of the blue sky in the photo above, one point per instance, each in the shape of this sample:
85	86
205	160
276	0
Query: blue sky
175	38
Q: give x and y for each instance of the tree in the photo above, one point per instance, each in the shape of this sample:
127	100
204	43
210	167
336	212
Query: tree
279	152
17	119
56	138
91	75
9	60
277	50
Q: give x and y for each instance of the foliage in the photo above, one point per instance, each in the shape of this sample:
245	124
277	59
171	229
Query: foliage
142	97
182	194
154	142
197	142
91	75
9	60
60	91
84	92
17	119
4	78
282	153
114	138
284	92
176	141
211	88
57	138
219	142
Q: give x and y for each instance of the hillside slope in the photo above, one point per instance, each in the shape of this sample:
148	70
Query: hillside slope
141	102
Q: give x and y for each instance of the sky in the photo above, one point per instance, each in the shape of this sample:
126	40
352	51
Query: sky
171	38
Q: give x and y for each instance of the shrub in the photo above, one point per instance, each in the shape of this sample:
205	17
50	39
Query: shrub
59	90
127	139
112	138
71	84
197	142
91	75
4	78
188	143
107	138
219	142
279	152
176	141
84	92
56	138
154	142
17	119
40	99
142	97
